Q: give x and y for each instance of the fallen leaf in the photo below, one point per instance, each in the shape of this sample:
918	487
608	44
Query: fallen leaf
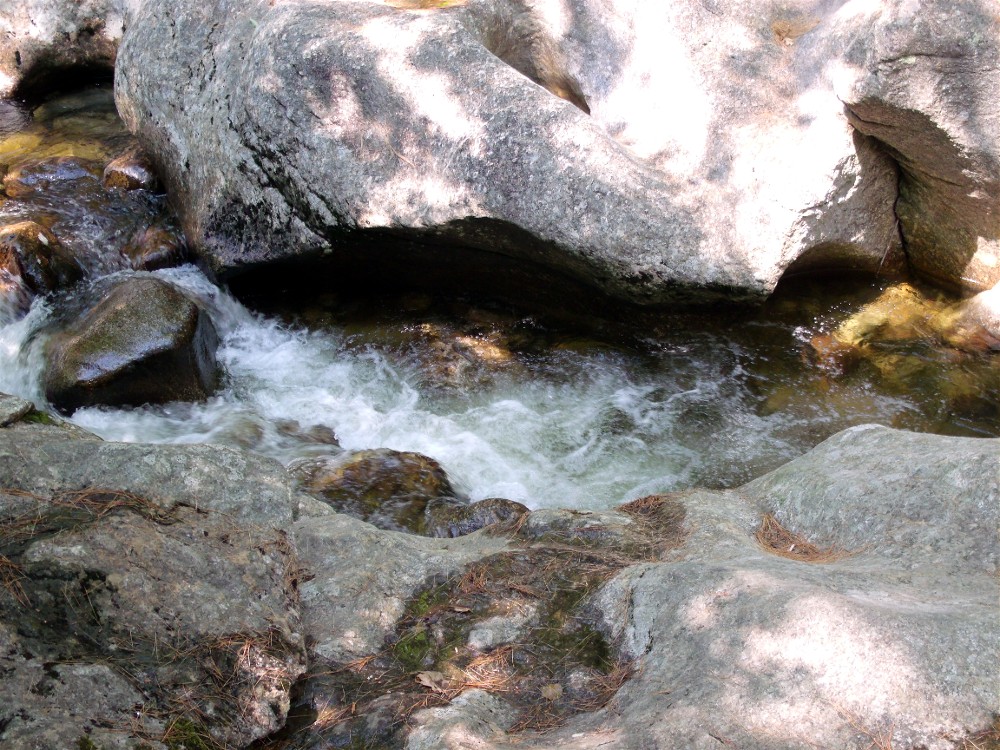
461	609
431	680
552	692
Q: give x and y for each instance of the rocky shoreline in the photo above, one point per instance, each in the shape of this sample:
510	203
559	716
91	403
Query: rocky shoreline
196	597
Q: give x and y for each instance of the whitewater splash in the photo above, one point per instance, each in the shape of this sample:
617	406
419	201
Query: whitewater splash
571	428
713	402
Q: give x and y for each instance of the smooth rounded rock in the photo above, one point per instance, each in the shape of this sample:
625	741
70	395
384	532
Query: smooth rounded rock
155	247
145	342
132	170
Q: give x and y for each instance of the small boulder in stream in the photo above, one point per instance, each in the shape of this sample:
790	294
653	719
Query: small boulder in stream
155	247
145	342
132	170
390	489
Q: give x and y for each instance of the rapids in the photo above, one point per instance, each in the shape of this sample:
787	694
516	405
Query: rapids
510	407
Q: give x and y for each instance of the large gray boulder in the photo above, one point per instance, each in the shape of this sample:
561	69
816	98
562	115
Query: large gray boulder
39	459
717	153
212	555
925	84
153	594
142	591
714	157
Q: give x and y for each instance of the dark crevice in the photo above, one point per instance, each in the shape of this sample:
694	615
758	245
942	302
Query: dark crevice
386	262
44	81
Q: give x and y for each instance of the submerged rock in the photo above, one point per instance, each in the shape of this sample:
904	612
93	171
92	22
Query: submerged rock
145	342
902	315
31	253
132	170
974	324
36	177
155	247
390	489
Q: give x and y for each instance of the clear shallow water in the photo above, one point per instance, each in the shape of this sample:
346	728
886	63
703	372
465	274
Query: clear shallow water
508	407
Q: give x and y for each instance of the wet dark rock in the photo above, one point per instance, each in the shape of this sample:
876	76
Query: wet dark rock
39	176
32	253
156	247
390	489
133	170
451	517
319	434
15	297
13	117
145	342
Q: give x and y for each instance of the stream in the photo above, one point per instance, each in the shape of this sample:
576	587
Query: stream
511	407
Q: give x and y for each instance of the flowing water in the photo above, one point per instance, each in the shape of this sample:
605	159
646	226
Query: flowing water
511	408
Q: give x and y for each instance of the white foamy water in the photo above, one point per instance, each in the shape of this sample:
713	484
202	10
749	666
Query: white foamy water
574	428
575	425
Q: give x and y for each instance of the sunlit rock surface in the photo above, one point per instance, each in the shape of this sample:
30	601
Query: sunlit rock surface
873	617
892	637
928	89
724	143
716	153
